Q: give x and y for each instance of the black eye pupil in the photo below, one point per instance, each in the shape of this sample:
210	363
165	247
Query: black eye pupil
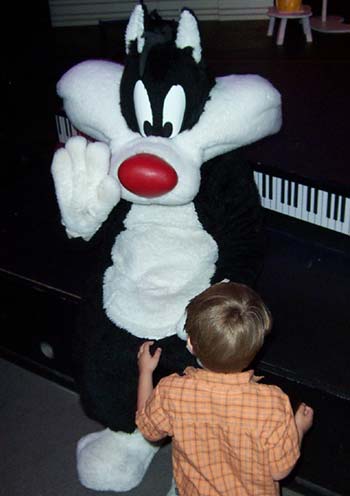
147	128
167	129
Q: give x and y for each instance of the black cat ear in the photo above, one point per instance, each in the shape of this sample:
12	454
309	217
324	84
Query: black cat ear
135	29
188	34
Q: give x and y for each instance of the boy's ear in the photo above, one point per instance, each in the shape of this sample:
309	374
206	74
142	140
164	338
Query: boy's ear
189	345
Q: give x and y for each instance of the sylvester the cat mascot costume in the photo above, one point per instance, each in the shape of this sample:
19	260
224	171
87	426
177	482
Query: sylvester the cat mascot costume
161	190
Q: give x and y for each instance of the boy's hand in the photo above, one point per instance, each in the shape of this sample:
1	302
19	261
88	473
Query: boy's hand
304	418
146	361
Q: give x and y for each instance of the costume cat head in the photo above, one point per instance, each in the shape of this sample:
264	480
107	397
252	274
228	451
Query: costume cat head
163	114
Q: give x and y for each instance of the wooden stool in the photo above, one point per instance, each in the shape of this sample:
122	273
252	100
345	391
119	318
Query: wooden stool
303	14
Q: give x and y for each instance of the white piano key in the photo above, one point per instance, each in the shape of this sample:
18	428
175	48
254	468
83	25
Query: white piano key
260	182
60	129
65	129
335	211
256	179
346	223
274	204
292	208
292	191
324	219
304	212
311	215
338	223
299	209
319	214
278	184
285	207
330	218
271	190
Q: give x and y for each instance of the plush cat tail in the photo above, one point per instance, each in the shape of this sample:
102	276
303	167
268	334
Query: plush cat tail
188	34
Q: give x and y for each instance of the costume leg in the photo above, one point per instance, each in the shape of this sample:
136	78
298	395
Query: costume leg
117	457
106	370
115	461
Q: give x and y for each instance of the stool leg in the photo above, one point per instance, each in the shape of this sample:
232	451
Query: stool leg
281	31
307	29
271	26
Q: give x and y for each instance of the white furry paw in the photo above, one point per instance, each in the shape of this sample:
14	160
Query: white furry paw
85	192
113	461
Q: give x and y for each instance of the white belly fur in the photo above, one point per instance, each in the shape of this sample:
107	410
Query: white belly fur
162	260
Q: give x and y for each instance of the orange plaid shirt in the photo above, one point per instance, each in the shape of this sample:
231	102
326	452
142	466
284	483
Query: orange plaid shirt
229	433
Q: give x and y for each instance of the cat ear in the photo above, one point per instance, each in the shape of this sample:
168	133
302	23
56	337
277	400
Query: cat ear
188	34
135	29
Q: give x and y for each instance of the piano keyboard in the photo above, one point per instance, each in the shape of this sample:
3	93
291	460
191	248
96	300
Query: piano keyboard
64	127
304	202
285	196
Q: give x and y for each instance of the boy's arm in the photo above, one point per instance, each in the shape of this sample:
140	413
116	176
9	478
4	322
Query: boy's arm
145	389
147	364
303	421
151	417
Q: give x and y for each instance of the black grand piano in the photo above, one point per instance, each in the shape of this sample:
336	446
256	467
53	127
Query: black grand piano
303	175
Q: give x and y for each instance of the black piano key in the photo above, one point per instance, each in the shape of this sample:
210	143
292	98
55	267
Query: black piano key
270	187
329	203
315	209
289	193
282	190
308	199
336	205
342	209
296	194
264	185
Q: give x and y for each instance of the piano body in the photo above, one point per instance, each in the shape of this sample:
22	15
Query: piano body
305	281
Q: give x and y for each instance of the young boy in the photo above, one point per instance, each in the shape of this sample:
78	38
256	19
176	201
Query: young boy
230	434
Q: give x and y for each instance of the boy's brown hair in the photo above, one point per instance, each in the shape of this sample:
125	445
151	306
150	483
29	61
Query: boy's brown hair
227	324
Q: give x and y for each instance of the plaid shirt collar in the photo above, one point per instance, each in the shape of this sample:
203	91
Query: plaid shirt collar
230	379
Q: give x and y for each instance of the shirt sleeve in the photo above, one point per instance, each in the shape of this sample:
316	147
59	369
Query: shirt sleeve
283	439
153	420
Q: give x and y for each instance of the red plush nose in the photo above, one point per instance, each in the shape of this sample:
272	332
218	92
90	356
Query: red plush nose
147	175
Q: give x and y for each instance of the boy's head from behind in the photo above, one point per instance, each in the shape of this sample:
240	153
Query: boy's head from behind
226	325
